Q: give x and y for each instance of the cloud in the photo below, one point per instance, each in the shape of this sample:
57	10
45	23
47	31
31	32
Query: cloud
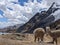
20	14
4	24
49	2
1	16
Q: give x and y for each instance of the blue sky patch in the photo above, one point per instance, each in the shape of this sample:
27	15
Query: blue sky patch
22	2
1	12
3	19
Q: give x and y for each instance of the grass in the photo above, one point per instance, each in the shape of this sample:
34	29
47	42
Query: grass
22	39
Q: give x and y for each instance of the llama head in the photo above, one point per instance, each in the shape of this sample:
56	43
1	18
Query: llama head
47	31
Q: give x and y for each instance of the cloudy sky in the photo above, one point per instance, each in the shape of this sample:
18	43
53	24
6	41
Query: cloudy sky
20	11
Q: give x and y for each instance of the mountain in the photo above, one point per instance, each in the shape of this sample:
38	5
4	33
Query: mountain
10	28
55	25
42	19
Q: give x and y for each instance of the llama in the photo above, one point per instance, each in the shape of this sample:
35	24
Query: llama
39	34
54	34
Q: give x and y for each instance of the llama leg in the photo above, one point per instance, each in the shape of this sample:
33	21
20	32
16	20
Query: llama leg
38	39
56	41
53	40
35	39
41	38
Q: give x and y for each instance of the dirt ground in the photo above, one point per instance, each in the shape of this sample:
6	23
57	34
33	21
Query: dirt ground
25	39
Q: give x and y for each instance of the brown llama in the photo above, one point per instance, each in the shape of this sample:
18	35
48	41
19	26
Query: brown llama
53	33
39	34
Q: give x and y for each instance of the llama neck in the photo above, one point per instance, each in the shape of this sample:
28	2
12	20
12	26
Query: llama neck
50	33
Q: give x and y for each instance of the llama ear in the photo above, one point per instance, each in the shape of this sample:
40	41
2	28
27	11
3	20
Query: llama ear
46	29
